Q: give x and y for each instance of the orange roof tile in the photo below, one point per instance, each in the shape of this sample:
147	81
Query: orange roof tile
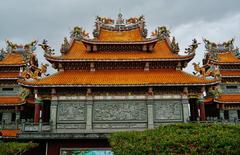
228	98
79	52
208	99
10	100
131	35
233	73
9	133
12	59
121	78
9	75
227	57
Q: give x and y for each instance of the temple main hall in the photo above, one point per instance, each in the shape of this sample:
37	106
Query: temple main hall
119	79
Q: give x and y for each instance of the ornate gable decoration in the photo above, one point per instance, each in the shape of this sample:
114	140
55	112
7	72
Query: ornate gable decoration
120	24
208	70
25	50
214	48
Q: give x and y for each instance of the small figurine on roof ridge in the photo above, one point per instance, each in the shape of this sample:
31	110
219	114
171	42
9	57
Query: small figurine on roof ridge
175	46
236	52
11	46
78	33
65	46
134	20
47	49
2	54
161	33
192	48
104	20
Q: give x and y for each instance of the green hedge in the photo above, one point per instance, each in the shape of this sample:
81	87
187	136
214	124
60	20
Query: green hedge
179	139
15	148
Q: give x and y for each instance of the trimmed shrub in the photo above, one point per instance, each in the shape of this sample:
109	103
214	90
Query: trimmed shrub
15	148
185	138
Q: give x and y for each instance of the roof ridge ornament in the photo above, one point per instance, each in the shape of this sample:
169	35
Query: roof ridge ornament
208	70
226	46
161	33
65	46
120	24
175	46
192	48
2	54
46	48
78	33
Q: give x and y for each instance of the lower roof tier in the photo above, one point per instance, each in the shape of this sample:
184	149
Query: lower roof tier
163	77
10	100
227	58
12	59
9	75
228	98
230	73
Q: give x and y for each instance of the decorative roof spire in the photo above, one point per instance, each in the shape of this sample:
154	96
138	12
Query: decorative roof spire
120	20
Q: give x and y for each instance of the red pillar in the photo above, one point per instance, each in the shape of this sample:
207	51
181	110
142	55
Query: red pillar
202	112
37	113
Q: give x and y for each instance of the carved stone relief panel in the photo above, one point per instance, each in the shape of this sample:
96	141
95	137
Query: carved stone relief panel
71	111
167	110
120	126
120	110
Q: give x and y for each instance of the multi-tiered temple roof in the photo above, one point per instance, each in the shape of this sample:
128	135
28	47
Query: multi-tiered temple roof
227	57
120	54
12	60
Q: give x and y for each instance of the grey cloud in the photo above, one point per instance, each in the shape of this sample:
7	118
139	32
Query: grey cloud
22	21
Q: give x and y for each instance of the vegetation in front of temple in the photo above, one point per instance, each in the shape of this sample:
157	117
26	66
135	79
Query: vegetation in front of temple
15	148
179	139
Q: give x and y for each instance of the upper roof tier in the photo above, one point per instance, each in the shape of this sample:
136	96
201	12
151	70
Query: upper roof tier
78	52
16	55
132	29
120	40
222	53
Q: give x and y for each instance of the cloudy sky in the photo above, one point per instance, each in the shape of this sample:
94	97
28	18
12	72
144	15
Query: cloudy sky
24	20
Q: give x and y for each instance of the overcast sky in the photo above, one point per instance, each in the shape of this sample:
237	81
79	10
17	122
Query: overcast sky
22	21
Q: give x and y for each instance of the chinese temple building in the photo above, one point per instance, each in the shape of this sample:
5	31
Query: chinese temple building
12	105
118	80
224	102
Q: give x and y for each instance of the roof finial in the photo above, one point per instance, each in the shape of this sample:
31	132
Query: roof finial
120	20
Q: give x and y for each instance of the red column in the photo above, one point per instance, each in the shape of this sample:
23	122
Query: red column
37	113
202	112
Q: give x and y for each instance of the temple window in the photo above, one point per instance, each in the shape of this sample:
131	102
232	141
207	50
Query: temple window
231	87
226	114
13	117
239	114
7	89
